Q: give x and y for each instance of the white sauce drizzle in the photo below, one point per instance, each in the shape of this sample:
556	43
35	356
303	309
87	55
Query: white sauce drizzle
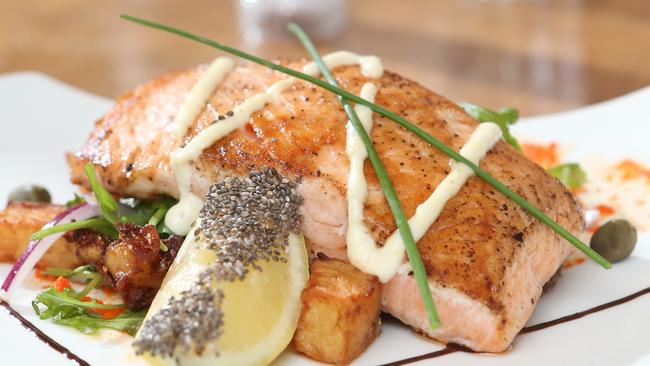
180	217
385	261
199	94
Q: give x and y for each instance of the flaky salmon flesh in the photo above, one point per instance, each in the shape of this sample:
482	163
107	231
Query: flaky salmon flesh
487	259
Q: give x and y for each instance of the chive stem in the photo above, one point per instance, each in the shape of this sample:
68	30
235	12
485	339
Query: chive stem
534	211
384	181
75	225
64	272
107	204
157	216
155	219
95	279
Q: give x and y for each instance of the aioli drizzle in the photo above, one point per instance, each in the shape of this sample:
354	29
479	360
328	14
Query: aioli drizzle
199	94
180	217
385	261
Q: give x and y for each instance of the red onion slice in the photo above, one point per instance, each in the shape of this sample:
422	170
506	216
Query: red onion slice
37	248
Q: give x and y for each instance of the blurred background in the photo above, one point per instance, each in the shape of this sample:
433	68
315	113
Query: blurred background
539	56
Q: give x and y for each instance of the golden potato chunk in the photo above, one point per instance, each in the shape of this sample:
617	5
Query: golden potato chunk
19	220
135	266
340	312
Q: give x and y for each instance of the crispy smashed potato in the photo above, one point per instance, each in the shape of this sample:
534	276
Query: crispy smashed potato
135	266
19	220
340	312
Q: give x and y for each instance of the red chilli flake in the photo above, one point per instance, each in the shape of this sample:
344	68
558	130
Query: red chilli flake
61	284
545	155
605	210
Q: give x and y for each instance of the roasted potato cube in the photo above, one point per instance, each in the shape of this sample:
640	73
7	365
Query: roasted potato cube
340	312
135	266
19	220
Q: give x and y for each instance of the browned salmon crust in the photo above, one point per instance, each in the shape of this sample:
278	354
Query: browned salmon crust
486	258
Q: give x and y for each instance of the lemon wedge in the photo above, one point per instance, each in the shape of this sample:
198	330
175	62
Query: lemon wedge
260	313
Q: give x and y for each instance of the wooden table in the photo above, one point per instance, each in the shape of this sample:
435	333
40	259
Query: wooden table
539	56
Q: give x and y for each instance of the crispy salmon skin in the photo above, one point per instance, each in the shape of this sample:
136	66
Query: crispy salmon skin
486	258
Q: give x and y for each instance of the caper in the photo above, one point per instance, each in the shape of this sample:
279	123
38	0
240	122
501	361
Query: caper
31	193
615	240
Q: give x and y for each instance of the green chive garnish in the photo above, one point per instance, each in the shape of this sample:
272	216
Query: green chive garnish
534	211
386	185
107	204
98	224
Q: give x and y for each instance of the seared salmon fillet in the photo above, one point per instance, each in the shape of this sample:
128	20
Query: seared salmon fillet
486	259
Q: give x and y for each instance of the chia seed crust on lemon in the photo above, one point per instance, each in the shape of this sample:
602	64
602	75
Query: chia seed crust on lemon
243	221
191	320
248	220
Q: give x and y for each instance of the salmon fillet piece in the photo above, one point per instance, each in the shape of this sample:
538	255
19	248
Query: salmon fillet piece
486	259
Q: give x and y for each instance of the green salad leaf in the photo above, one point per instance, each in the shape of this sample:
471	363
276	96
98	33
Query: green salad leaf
77	200
504	117
68	273
150	212
128	322
65	308
87	273
98	224
69	308
140	213
570	174
54	301
107	204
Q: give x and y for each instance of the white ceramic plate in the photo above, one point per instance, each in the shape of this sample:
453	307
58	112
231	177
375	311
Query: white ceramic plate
42	118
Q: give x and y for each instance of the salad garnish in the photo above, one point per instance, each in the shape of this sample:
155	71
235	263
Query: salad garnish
504	117
107	204
139	213
65	306
570	174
